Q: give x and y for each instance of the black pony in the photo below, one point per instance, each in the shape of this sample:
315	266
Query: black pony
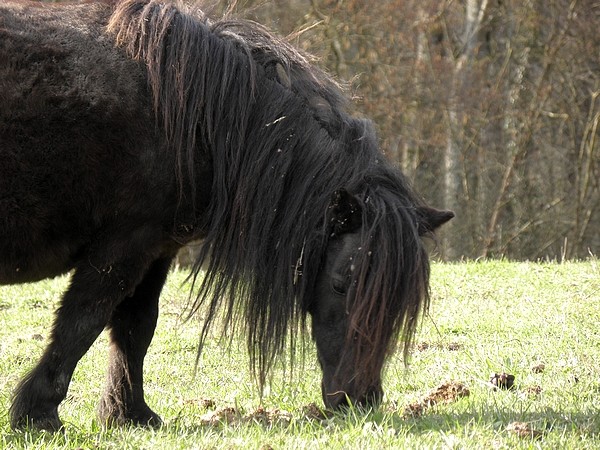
130	128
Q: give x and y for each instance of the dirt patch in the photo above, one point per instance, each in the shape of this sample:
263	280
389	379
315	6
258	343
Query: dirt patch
533	390
538	368
232	416
444	394
313	412
269	417
524	430
452	346
205	403
221	416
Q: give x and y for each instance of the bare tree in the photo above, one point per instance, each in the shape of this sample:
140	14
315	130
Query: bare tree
491	107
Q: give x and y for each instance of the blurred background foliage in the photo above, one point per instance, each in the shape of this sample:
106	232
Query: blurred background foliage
490	107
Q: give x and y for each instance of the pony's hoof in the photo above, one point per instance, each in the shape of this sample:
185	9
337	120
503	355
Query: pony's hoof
144	417
41	422
151	421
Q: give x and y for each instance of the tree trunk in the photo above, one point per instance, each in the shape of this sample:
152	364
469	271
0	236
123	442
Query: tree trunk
453	164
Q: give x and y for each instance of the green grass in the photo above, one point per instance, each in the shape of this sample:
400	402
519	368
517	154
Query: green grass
485	318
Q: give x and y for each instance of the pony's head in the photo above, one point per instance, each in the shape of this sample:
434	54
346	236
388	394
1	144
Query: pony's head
370	289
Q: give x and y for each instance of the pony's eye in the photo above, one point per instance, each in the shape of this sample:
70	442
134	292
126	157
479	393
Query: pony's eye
339	284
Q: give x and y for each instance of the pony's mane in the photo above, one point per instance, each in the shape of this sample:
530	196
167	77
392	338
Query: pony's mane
281	142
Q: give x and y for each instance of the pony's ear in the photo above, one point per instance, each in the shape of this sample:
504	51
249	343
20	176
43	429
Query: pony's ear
429	219
344	214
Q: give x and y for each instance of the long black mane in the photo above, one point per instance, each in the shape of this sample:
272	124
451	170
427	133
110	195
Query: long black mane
281	142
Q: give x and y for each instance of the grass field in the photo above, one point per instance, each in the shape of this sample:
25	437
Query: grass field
537	322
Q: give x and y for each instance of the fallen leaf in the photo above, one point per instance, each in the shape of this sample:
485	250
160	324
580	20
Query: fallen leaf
502	380
538	368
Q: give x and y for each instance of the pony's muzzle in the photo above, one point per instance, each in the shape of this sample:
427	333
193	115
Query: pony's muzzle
340	399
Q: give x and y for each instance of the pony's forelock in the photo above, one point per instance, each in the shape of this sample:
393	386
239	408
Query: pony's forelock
391	286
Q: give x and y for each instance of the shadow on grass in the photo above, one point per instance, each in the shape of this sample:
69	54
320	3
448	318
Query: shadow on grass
548	420
573	425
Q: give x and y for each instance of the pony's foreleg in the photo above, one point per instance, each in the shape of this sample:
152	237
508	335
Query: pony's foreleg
131	329
85	310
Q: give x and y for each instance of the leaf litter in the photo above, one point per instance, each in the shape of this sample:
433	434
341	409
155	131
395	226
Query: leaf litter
263	416
445	393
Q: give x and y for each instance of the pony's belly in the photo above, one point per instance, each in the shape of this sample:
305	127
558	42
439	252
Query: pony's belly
16	275
26	268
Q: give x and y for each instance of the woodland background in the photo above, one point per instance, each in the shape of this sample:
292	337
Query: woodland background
490	107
